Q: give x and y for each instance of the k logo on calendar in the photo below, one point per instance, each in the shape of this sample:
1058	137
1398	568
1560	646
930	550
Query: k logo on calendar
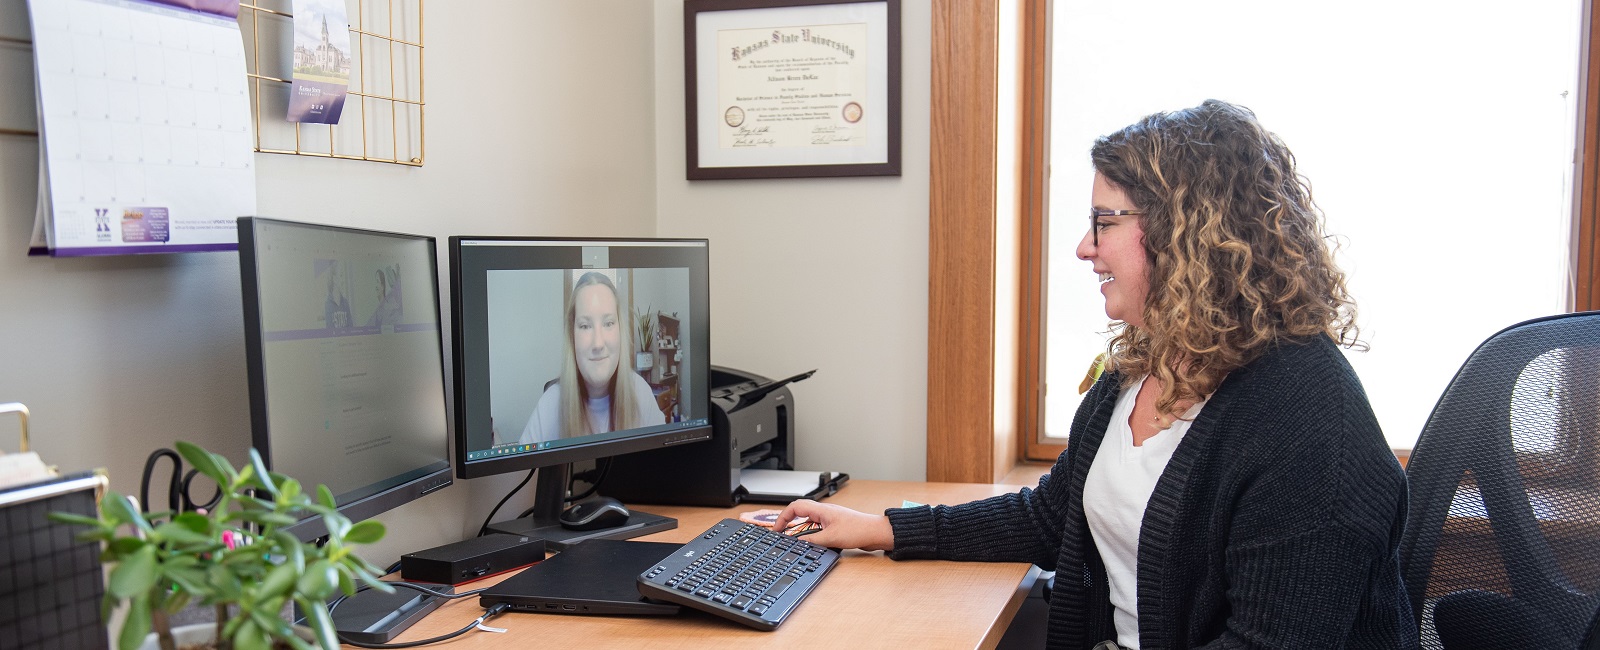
102	224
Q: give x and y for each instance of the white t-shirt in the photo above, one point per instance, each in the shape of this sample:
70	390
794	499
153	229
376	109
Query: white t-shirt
545	423
1115	493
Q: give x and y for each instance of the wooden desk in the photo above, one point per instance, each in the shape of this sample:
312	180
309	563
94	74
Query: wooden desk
867	601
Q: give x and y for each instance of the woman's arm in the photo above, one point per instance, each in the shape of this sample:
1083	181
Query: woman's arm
841	526
1022	527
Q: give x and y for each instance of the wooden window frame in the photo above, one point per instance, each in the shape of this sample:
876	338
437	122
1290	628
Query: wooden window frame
1586	207
1035	244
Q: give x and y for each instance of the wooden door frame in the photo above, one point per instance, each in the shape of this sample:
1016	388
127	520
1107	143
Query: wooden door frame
961	241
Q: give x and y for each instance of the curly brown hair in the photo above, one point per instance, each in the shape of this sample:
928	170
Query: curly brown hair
1237	252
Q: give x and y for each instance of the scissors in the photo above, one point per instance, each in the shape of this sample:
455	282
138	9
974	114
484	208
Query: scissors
178	497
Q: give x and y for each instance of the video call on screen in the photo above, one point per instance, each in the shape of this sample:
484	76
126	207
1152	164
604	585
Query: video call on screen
581	343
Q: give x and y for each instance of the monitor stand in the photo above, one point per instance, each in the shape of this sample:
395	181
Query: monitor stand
373	616
549	500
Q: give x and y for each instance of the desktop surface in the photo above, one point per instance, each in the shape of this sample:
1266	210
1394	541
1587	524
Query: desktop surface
868	600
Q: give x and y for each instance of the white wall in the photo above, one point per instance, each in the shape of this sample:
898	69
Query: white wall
526	332
829	274
539	121
553	118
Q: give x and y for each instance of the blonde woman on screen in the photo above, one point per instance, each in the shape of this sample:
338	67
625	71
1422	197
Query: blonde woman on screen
597	392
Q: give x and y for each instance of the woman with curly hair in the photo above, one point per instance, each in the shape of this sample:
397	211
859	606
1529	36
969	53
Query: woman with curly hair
1225	484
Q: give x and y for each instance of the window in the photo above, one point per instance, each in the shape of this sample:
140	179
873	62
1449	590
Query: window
1438	141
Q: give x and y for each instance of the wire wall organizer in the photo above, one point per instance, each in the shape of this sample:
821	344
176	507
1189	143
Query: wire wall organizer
17	115
384	123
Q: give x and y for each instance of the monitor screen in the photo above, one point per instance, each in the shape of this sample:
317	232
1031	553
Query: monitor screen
569	349
346	362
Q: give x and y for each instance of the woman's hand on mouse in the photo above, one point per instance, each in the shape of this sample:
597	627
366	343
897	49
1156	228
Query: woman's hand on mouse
841	526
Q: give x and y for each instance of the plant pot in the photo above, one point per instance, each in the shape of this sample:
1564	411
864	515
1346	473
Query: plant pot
643	360
205	635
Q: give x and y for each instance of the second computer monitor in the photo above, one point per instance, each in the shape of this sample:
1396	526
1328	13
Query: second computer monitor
577	349
345	362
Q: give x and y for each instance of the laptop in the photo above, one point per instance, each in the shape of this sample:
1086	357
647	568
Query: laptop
596	576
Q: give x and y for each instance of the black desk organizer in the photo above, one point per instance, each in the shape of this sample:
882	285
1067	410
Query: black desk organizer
51	584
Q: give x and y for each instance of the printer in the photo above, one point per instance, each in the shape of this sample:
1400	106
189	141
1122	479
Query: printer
753	425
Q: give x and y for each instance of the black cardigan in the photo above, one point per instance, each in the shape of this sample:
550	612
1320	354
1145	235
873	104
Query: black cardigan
1275	524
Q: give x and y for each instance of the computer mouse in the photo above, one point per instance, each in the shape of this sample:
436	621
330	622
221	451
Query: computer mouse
599	512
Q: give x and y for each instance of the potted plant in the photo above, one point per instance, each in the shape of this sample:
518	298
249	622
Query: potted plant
644	334
164	561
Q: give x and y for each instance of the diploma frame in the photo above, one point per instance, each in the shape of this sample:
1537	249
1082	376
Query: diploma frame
878	153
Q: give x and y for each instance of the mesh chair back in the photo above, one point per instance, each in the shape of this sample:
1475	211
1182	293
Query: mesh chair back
1502	541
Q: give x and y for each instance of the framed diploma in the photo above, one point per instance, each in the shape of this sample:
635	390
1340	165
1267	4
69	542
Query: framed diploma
792	88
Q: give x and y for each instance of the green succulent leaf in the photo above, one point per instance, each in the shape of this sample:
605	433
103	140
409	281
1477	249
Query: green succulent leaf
278	581
176	532
370	578
267	518
176	601
122	511
135	574
360	570
317	616
225	584
279	628
262	478
266	622
365	532
194	521
123	546
250	636
137	624
295	553
288	488
96	535
191	580
74	519
325	497
296	642
317	508
319	581
231	628
338	526
204	462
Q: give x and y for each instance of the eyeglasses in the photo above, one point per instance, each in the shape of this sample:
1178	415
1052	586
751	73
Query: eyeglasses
1096	213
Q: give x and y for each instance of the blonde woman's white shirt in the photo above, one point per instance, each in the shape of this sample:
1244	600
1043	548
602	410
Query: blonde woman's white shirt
545	423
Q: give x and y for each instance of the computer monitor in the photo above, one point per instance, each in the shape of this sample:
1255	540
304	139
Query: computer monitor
346	363
576	349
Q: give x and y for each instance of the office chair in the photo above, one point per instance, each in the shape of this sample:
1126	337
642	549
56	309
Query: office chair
1502	540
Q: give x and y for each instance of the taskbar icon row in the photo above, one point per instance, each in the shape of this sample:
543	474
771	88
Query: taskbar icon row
507	450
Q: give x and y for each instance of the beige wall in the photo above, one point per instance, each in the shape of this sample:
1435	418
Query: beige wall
551	118
532	129
818	273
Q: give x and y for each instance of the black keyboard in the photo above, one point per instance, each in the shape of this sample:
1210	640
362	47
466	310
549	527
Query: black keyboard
740	572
